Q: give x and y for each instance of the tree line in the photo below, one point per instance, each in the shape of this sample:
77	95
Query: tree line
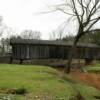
93	37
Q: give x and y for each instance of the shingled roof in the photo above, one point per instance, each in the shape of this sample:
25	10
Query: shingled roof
49	42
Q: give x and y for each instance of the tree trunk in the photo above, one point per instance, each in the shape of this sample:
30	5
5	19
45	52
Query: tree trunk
71	54
70	58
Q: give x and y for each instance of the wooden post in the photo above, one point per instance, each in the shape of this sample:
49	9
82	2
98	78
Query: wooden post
11	60
21	61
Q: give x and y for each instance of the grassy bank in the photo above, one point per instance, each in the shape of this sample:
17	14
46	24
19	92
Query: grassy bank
93	68
40	80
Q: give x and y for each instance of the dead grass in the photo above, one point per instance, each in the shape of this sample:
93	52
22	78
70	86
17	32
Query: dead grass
92	79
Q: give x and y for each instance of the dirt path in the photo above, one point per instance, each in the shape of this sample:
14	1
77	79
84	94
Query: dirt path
89	78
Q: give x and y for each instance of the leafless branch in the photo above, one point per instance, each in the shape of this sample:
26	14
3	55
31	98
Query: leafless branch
87	14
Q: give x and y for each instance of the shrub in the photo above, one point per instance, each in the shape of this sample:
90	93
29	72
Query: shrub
21	91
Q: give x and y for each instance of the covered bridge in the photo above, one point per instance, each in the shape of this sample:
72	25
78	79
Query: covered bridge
23	49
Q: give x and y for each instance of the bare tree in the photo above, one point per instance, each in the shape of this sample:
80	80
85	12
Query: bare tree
58	34
5	45
68	38
5	31
86	14
53	35
2	27
29	34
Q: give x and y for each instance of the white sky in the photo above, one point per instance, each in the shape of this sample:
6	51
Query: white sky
22	14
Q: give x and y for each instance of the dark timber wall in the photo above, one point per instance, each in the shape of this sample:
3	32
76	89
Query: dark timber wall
43	49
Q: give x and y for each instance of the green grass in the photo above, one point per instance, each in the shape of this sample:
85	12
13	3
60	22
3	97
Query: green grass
93	68
43	80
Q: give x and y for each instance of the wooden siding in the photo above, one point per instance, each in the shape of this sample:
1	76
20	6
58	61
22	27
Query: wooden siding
43	50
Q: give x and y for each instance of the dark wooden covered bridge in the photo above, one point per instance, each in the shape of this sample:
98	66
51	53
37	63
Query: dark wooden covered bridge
23	49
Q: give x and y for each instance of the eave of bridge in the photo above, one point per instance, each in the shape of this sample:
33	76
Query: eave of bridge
50	43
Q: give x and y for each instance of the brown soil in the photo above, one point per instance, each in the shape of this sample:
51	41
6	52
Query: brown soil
8	91
89	78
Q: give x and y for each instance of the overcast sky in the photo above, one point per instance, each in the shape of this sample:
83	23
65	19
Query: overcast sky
24	14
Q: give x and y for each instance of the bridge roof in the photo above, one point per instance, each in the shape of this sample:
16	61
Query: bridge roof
49	42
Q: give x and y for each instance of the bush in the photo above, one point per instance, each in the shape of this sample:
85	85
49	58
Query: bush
21	91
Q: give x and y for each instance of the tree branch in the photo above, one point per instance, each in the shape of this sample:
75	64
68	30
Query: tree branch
76	12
